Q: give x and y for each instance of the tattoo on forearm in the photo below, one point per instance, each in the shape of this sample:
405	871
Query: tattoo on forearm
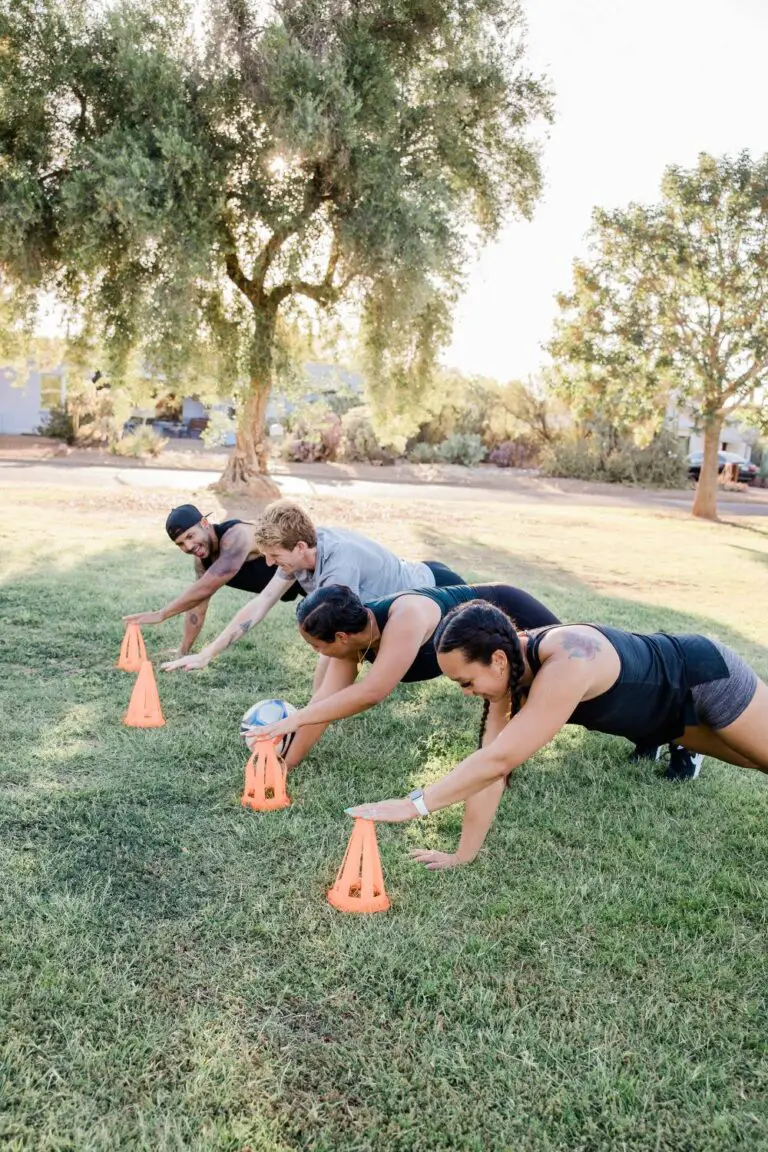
246	627
194	618
580	647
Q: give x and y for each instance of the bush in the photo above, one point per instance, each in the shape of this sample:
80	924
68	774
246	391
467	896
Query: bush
661	464
218	429
315	435
519	453
465	448
358	438
421	453
59	425
142	442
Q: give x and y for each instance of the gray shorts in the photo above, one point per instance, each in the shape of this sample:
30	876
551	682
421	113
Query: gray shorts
720	702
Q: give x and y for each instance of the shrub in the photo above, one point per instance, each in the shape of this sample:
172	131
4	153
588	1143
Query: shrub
465	448
421	453
315	435
143	442
661	464
519	453
217	430
59	425
358	438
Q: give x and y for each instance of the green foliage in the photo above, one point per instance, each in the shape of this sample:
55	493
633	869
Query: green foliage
358	437
473	405
659	464
143	442
672	304
217	429
201	183
422	453
58	425
462	448
314	434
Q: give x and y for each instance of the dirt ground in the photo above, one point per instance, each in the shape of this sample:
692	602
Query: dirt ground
193	455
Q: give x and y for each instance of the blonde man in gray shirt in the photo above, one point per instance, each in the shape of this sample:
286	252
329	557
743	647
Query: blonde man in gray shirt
314	557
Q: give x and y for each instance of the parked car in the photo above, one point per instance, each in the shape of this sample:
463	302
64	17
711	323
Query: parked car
747	471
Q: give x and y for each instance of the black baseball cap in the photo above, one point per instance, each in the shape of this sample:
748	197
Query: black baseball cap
182	518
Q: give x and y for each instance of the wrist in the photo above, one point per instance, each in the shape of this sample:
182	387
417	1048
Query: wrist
417	800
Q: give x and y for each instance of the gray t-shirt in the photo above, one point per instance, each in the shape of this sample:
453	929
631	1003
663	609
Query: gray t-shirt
363	565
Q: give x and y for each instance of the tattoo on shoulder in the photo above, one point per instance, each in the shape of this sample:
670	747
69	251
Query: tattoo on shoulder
580	647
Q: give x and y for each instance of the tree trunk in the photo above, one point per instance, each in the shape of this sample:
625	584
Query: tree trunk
705	498
246	470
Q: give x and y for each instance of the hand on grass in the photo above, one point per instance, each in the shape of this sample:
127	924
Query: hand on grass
385	811
144	618
436	861
188	663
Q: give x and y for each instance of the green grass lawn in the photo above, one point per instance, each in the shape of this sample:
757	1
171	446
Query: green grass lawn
173	977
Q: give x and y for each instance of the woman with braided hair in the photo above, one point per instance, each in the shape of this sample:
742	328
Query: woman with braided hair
394	634
652	689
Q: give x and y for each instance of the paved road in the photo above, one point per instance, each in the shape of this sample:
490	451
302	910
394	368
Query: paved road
60	474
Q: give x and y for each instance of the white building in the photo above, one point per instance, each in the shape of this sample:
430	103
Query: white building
734	437
26	402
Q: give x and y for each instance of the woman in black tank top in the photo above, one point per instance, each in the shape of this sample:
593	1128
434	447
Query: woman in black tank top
394	634
650	688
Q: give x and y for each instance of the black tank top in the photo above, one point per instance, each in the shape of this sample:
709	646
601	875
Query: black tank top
525	610
254	575
651	700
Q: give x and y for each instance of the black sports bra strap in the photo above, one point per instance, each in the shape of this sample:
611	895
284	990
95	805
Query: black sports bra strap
535	637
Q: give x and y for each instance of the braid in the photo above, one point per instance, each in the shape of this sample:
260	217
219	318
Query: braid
483	722
479	629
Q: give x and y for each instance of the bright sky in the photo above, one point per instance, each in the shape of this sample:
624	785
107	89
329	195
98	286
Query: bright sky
639	84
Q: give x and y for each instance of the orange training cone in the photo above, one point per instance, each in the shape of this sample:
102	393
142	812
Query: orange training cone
359	885
132	650
144	709
265	773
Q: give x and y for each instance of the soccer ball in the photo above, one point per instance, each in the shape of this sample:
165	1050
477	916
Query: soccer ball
267	712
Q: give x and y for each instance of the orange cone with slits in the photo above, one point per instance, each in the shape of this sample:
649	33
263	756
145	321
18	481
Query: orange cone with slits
359	886
144	709
132	650
265	774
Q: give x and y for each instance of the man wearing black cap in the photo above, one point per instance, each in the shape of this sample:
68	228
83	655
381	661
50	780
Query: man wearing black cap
224	554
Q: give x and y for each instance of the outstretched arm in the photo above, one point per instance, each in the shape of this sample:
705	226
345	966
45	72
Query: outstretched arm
400	641
555	692
247	618
235	546
479	810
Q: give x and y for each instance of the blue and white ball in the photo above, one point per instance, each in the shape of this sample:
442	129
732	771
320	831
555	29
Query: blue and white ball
266	712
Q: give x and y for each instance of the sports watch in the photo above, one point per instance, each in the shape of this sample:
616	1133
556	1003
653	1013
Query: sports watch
417	799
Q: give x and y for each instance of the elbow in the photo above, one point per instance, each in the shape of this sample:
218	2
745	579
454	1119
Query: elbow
497	767
369	699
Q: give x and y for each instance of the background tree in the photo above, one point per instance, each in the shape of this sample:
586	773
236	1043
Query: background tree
189	180
671	306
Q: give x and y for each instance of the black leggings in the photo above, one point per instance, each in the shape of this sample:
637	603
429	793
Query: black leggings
444	576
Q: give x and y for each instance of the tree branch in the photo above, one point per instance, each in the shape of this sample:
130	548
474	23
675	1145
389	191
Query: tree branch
249	288
758	367
313	198
323	293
